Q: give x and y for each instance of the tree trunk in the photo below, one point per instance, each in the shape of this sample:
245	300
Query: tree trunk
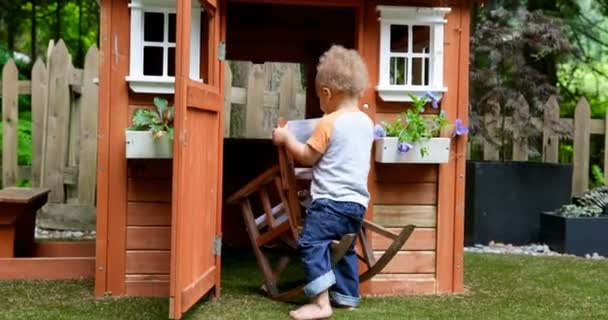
57	35
33	32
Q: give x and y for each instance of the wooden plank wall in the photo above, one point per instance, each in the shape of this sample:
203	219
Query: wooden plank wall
148	235
423	195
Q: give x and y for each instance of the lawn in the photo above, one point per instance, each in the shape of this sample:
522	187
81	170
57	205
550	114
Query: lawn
499	287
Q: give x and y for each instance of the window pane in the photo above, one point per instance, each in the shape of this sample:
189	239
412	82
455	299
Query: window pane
399	38
171	62
422	38
398	70
153	61
172	27
154	26
420	71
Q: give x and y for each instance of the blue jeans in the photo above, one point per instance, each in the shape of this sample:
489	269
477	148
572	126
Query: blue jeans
328	220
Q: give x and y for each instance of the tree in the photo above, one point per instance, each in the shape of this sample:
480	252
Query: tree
510	49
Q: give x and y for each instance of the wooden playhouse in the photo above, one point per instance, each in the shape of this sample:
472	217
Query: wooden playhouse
159	222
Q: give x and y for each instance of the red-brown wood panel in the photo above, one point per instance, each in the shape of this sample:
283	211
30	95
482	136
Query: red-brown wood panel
406	173
148	238
103	143
396	284
52	268
421	239
149	214
410	262
112	165
149	190
412	193
148	261
197	156
145	285
64	249
447	172
461	146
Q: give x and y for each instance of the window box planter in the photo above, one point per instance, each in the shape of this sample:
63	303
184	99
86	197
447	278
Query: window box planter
143	145
578	236
438	151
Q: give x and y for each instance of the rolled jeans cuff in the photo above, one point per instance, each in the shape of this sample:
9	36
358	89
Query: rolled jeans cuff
343	300
320	284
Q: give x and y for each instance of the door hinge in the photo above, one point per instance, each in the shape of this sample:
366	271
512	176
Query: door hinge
221	50
217	246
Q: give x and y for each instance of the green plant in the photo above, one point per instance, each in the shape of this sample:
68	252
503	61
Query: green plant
597	176
412	127
576	211
159	121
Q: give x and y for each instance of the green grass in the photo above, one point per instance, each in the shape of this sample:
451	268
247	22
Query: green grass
499	287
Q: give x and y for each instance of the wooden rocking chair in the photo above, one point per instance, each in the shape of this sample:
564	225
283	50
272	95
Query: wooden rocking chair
281	223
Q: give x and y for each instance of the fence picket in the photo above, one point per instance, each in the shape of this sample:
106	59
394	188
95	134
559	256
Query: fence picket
10	114
520	139
580	158
490	152
87	162
39	94
227	96
550	139
255	103
287	94
57	134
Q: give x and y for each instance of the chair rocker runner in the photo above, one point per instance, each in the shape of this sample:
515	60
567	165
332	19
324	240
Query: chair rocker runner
279	192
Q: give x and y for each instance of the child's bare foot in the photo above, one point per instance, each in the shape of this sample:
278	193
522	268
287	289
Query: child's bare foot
310	312
319	308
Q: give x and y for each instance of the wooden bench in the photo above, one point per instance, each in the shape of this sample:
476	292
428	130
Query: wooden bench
18	207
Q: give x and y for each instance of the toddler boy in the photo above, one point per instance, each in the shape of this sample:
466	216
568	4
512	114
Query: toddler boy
339	150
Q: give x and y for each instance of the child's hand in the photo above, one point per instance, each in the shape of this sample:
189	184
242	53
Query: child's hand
280	136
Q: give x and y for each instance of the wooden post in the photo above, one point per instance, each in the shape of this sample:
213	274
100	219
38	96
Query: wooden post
255	103
580	159
287	94
550	139
10	114
87	166
227	98
56	146
520	140
39	105
490	152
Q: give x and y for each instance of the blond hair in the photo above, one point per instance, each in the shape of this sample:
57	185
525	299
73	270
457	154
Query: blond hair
343	70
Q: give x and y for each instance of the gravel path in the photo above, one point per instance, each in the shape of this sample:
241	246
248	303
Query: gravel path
532	250
49	234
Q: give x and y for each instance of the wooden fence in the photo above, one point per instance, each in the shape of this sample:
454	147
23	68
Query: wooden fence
64	102
267	95
582	126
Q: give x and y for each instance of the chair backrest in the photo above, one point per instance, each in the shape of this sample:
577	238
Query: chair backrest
287	167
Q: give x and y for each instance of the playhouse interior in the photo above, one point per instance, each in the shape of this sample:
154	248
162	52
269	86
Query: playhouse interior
274	33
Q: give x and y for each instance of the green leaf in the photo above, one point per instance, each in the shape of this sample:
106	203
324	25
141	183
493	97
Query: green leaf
161	106
143	119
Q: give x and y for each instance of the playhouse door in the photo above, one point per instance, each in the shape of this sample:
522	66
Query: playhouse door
197	159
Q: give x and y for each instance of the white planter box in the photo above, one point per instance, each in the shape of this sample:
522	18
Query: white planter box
143	145
438	151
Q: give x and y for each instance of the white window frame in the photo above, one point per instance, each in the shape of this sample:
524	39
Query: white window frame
140	83
434	18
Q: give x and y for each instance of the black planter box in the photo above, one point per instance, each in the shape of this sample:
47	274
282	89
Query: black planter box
577	236
504	199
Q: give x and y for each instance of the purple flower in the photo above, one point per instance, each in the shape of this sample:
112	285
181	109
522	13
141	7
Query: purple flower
460	129
403	147
434	100
379	132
